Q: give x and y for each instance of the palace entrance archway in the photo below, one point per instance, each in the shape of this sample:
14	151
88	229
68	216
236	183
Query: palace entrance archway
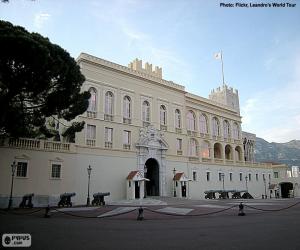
152	173
286	189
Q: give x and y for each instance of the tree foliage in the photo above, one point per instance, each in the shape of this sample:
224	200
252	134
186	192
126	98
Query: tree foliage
38	80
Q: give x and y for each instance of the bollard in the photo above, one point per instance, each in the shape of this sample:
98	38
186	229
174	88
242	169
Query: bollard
47	212
241	210
141	214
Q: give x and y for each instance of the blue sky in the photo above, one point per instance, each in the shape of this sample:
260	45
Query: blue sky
261	47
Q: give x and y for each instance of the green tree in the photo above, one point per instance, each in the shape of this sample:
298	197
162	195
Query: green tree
38	80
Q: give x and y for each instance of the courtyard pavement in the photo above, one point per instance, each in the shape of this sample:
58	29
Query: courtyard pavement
169	223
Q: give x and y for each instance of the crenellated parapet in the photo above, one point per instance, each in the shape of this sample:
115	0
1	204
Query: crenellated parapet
138	66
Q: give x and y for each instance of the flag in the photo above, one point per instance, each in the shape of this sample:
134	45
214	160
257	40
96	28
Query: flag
218	56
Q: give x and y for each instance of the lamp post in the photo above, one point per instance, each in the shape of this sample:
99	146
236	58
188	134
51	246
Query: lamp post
13	170
246	179
174	190
89	170
265	188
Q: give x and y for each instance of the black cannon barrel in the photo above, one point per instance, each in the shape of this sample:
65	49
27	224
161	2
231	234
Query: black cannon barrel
67	195
101	194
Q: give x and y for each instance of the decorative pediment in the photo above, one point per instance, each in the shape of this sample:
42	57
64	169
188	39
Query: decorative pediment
152	138
22	157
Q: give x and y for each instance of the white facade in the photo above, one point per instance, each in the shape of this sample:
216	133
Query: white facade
138	121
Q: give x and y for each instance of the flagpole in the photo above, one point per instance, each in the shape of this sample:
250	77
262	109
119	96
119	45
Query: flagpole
222	67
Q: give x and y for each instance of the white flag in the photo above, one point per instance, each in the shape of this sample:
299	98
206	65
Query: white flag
218	56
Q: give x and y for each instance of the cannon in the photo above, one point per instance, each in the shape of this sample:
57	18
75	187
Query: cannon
26	201
65	199
99	198
223	195
210	195
236	195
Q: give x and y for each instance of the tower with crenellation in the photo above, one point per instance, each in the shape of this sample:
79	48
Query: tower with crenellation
226	96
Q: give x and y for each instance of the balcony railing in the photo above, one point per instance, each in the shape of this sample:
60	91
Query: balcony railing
35	144
193	158
146	124
126	120
192	133
204	159
108	144
178	130
163	127
91	114
179	152
126	146
108	117
91	142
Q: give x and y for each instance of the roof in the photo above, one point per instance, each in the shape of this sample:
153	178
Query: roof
136	176
131	175
180	177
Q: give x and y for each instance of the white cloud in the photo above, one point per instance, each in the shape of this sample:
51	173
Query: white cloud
40	19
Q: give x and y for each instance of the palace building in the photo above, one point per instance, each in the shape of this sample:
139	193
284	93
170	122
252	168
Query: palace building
144	136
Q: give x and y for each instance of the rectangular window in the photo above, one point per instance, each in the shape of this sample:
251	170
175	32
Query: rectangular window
264	177
256	176
241	176
108	134
194	176
249	177
230	176
126	137
22	169
276	175
56	171
269	176
108	138
91	135
208	176
179	144
221	176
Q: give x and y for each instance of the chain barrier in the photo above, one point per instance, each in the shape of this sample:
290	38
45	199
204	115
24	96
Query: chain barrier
272	210
2	211
22	213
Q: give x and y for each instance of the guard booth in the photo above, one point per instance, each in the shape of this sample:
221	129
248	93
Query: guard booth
181	185
135	185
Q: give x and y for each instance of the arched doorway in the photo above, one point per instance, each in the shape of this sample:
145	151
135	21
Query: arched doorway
285	189
152	173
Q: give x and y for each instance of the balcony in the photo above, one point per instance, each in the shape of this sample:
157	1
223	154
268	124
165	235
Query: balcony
91	114
35	144
163	127
146	124
108	144
91	142
217	160
179	152
193	158
126	146
178	130
108	117
192	133
126	120
204	159
204	135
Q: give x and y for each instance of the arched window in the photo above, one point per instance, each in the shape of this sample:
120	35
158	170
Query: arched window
205	149
109	103
192	147
191	121
215	127
177	118
236	131
218	151
238	153
226	128
203	124
93	100
126	107
163	115
146	111
228	152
